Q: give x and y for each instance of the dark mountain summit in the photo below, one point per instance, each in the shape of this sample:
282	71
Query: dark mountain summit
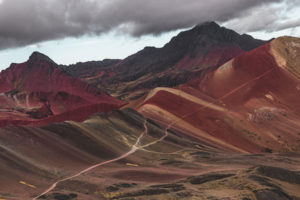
189	54
212	32
198	41
37	56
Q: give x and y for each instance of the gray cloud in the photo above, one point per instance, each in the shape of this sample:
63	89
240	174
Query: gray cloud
267	17
32	21
286	25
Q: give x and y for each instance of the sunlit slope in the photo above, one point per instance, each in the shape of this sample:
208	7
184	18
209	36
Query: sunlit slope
250	104
38	89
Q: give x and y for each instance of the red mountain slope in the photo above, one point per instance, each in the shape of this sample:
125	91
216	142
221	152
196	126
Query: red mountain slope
250	104
39	91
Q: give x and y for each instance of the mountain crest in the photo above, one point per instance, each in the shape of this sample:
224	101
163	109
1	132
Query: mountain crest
208	24
37	57
211	33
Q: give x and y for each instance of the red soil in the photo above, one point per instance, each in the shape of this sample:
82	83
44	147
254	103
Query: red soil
261	99
203	118
38	90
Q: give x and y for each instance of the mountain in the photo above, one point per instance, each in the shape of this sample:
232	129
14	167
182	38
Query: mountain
38	90
188	55
249	104
226	127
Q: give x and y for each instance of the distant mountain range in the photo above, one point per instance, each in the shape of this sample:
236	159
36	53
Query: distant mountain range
39	89
211	115
188	55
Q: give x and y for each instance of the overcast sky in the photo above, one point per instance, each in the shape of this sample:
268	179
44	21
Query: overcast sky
79	30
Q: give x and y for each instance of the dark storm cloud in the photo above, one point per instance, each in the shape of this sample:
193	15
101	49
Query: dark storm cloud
24	22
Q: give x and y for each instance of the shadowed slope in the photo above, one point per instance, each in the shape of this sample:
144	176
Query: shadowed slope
122	155
39	156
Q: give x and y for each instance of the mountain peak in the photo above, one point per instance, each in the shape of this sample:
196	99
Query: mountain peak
37	56
208	24
208	34
209	27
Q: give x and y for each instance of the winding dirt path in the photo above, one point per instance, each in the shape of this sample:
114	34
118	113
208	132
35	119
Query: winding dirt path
133	149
